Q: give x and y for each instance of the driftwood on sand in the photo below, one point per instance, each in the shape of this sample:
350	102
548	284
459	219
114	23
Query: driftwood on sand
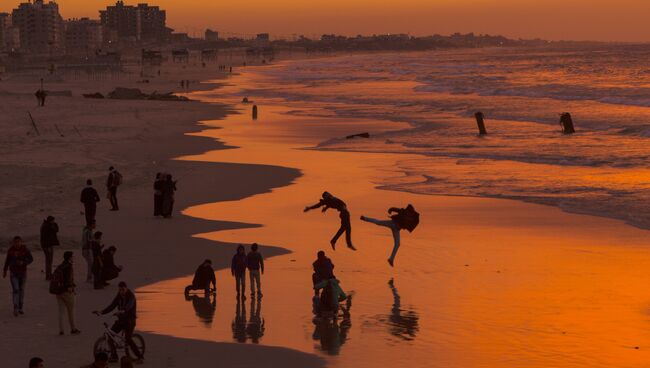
121	93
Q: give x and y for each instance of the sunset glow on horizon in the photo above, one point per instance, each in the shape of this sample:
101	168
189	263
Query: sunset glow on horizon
623	20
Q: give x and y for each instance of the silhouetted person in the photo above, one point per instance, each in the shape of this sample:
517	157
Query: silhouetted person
238	270
65	298
203	278
323	269
256	325
113	181
331	334
255	264
40	97
126	305
89	197
158	194
404	324
239	323
49	240
18	258
204	306
329	201
110	270
331	295
86	251
96	248
36	363
400	218
169	188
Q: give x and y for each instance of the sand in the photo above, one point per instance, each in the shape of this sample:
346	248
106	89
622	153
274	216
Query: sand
43	175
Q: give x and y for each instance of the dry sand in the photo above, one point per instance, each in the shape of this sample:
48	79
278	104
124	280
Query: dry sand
43	175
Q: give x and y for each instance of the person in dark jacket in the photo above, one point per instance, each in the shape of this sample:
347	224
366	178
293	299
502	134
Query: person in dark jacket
255	265
395	224
18	258
238	270
98	263
89	197
203	278
110	270
323	269
168	195
158	194
329	201
87	237
113	181
49	240
126	305
65	300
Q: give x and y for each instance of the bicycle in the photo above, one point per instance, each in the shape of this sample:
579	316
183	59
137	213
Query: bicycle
102	345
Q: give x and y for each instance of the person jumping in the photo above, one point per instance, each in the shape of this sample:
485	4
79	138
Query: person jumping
400	218
329	201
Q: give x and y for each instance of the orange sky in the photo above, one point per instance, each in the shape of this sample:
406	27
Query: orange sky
552	19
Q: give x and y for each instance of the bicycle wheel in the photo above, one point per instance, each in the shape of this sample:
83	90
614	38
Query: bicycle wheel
101	346
139	342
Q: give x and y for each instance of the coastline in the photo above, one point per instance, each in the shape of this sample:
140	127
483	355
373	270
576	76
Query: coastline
139	138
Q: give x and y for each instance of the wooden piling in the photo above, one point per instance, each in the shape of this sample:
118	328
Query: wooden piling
567	123
480	121
254	112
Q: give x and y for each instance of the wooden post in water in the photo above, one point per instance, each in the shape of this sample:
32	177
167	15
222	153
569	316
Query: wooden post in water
254	112
567	123
480	122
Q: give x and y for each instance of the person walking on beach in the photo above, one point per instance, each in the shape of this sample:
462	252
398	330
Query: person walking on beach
49	240
323	270
169	188
203	279
89	197
113	181
238	270
329	201
400	218
86	248
126	305
98	264
62	285
36	362
158	194
18	258
255	264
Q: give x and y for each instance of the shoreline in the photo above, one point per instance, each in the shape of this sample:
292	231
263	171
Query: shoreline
150	249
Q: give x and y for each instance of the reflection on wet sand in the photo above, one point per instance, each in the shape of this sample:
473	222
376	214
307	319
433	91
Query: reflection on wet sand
403	323
254	328
205	306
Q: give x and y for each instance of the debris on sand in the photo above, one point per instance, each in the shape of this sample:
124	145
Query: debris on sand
93	95
121	93
360	135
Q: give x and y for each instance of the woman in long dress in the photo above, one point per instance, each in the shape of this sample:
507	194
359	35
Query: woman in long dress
169	187
158	195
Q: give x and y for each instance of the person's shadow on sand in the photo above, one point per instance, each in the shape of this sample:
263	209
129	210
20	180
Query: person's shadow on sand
256	325
402	323
205	307
239	323
331	332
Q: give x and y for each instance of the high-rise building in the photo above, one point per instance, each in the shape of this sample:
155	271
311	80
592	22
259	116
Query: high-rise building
82	35
40	26
5	23
211	35
141	22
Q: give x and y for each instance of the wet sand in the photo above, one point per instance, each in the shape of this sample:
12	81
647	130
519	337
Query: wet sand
481	282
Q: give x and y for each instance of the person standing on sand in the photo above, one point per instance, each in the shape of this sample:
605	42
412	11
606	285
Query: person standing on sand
64	285
18	258
126	305
89	197
255	264
114	180
329	201
403	218
169	188
110	270
49	240
158	195
238	270
203	279
86	251
98	265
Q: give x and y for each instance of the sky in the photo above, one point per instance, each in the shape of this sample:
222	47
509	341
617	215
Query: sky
603	20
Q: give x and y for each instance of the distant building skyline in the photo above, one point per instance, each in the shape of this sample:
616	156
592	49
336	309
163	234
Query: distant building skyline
40	26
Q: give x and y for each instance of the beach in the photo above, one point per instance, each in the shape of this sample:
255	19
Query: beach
44	174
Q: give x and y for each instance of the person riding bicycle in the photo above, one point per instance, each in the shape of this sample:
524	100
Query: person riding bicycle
125	303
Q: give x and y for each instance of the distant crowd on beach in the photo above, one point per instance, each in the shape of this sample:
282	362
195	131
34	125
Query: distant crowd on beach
101	266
